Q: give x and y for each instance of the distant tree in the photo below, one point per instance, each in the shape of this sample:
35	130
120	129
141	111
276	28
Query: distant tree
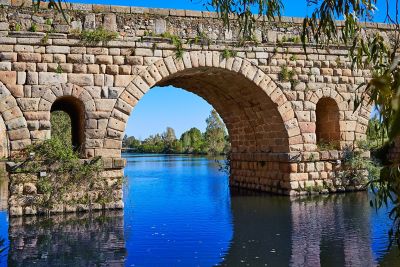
124	141
153	144
169	140
192	141
215	134
133	143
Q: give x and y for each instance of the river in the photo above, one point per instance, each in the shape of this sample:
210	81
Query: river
179	211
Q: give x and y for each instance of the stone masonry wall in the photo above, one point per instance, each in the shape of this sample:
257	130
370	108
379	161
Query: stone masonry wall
266	92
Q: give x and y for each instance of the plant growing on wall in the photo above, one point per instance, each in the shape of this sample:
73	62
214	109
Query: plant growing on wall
64	177
92	37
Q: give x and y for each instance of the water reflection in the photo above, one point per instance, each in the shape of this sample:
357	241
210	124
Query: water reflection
95	239
3	189
332	230
179	211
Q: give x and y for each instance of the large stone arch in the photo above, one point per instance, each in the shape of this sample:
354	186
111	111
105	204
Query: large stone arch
258	115
17	131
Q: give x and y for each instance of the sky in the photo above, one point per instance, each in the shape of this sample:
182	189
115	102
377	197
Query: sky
177	108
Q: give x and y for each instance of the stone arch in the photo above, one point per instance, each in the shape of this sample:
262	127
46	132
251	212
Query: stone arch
270	127
74	100
16	129
347	119
327	121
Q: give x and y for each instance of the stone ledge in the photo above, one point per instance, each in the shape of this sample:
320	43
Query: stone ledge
108	164
163	12
331	155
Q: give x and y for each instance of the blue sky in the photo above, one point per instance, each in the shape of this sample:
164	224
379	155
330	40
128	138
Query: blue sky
176	108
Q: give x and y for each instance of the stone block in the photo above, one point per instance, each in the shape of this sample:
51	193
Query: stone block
57	49
19	134
81	79
29	57
51	78
145	52
110	22
8	77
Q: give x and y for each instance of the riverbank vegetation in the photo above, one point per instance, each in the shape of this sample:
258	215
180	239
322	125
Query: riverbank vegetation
214	141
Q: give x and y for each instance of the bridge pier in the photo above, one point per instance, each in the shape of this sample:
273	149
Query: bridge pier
293	173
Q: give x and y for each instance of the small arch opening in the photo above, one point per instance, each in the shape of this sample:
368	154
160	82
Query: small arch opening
68	121
327	126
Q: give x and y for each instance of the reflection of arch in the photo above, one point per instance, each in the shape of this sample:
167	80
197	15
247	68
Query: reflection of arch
17	133
258	116
327	121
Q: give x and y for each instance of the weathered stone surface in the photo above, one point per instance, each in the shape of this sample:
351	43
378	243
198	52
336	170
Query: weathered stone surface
46	78
275	123
81	79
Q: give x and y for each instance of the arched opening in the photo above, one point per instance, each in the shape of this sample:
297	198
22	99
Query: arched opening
327	126
68	120
260	123
252	119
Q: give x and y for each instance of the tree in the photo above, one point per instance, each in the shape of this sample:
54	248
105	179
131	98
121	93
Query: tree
133	143
169	140
192	141
215	134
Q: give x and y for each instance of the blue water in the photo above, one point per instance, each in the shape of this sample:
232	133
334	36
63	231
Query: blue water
179	211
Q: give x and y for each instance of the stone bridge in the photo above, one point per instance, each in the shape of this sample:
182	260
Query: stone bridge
277	104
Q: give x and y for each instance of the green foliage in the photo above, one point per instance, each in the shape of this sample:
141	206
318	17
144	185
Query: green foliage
286	75
228	53
328	145
17	27
33	27
49	21
193	141
92	37
59	69
376	134
293	58
65	178
169	140
215	134
61	127
214	141
291	39
356	167
63	171
242	9
45	39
